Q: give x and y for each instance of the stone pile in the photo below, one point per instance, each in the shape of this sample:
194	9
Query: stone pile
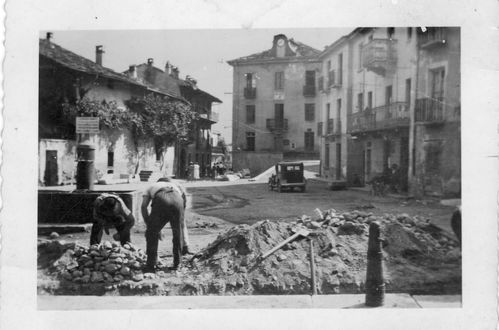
106	262
405	232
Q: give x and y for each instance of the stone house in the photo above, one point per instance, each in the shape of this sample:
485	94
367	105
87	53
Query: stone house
66	76
168	81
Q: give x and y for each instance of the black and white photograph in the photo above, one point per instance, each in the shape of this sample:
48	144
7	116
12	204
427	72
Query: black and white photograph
304	171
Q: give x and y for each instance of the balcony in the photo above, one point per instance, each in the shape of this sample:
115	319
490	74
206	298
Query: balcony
390	116
430	110
250	92
379	56
274	125
213	116
433	37
309	90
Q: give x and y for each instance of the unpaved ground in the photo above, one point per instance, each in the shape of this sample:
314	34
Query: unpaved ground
226	263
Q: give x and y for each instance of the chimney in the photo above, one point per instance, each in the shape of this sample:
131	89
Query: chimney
168	68
150	61
132	72
175	72
49	36
99	50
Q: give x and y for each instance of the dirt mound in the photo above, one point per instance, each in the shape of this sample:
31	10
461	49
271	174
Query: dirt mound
419	258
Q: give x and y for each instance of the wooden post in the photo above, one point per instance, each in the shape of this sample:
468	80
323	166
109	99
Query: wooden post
312	269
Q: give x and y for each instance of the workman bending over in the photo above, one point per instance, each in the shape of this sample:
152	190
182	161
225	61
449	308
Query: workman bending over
110	211
168	201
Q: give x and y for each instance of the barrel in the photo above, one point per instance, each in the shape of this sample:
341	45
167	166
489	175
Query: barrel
85	169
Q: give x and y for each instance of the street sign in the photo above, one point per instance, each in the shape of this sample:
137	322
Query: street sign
87	125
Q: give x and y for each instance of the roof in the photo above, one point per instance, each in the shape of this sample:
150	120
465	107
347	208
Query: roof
79	63
150	74
299	50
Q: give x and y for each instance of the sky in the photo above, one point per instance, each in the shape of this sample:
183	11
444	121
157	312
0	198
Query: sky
201	54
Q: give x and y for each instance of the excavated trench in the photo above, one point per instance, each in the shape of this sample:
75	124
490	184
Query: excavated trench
419	258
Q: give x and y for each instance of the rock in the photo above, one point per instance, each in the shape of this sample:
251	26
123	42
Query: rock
137	277
314	225
77	280
118	278
67	276
110	268
66	260
87	271
135	265
349	228
125	271
94	253
107	245
77	273
115	245
96	277
85	278
54	235
281	257
149	276
108	277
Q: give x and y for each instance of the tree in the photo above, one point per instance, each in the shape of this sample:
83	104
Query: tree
165	120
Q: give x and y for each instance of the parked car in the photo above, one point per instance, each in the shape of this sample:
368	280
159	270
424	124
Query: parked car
288	175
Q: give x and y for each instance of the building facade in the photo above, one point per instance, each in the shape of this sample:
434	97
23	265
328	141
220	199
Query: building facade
275	109
66	76
437	134
169	82
398	91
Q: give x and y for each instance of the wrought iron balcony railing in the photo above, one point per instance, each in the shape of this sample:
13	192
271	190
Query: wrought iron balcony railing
430	110
379	55
277	125
390	116
250	92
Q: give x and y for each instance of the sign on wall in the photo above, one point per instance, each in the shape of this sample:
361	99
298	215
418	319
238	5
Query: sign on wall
87	125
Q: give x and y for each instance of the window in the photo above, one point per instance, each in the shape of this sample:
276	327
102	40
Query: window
328	110
340	69
250	80
309	112
310	78
409	33
360	101
279	80
250	114
388	95
390	32
437	84
408	92
328	65
338	109
370	100
326	156
250	141
110	158
309	140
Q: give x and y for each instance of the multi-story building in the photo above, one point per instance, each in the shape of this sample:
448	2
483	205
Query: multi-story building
275	110
437	134
168	81
334	86
397	89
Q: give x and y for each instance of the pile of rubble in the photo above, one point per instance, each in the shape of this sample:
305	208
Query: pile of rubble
419	257
100	263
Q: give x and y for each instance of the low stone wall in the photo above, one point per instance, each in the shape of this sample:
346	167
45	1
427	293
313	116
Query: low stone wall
76	207
256	162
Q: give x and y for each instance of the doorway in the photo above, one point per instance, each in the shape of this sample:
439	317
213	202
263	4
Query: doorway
51	178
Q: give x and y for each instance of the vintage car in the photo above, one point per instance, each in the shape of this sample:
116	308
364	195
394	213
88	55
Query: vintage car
287	175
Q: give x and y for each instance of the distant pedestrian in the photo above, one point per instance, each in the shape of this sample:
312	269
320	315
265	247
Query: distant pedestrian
111	212
196	171
191	172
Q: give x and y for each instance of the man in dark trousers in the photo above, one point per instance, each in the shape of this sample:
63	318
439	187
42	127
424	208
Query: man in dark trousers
111	212
167	205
